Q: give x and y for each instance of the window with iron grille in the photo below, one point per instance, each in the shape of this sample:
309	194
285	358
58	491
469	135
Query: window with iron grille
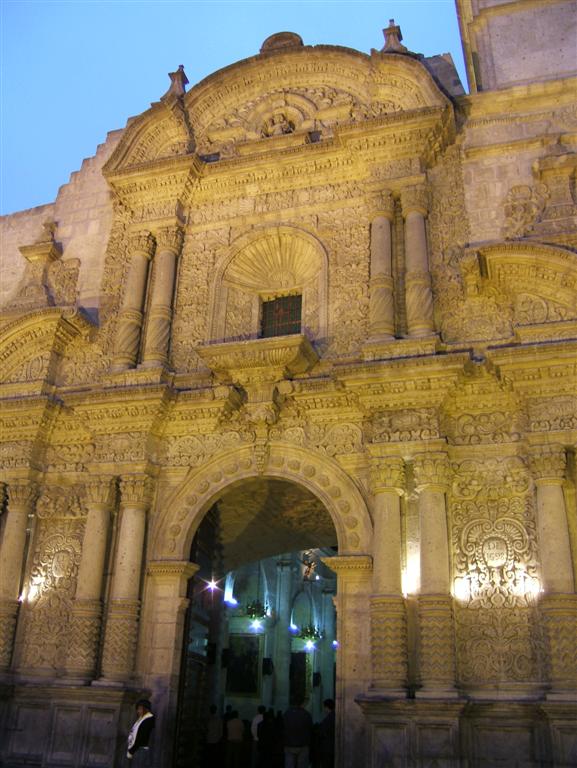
281	317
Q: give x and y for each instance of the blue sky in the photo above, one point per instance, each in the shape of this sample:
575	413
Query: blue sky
72	71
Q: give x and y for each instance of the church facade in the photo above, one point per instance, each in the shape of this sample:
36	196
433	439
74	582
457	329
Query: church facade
328	300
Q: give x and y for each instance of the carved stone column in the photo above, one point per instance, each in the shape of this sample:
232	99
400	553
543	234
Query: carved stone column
418	292
558	604
121	631
381	305
20	505
435	604
354	583
87	610
388	614
168	246
130	319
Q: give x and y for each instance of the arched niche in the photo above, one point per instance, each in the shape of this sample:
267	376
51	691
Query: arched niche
265	265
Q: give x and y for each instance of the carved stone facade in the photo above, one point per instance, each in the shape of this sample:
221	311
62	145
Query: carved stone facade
423	420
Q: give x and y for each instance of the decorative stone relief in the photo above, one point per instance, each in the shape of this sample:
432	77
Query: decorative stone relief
403	425
52	581
494	543
522	207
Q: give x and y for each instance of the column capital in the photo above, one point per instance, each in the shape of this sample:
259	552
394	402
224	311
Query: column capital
381	203
346	563
170	569
432	471
21	493
142	242
169	239
99	490
547	463
388	475
415	199
135	489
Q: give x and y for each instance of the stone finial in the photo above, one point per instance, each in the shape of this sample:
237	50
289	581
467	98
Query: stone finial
178	82
393	39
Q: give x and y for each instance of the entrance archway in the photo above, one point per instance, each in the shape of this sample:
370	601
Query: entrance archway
324	487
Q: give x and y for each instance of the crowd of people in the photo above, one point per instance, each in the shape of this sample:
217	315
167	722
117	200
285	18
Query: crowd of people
270	740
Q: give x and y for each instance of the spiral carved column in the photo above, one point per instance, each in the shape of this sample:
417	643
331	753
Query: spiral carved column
388	614
168	246
381	304
558	604
21	497
418	291
435	605
123	613
130	319
87	610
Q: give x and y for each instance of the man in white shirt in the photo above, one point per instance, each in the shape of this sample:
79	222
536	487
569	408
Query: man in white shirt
258	718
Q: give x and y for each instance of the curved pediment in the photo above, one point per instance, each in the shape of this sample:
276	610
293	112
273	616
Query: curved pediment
294	90
31	346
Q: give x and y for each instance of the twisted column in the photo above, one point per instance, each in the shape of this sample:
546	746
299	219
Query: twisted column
87	609
558	604
121	631
381	302
387	607
21	497
168	246
418	292
435	605
130	318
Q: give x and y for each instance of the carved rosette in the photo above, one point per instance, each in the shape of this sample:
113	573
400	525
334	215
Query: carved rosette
120	638
388	474
388	643
432	471
436	643
84	637
559	614
548	464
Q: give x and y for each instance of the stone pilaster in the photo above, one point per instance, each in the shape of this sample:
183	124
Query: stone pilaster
381	303
130	319
435	608
168	247
418	291
87	609
558	604
354	587
389	656
121	630
21	497
282	638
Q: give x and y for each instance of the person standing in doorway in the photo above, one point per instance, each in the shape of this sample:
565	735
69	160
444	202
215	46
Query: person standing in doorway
298	729
138	750
327	735
257	719
213	745
234	737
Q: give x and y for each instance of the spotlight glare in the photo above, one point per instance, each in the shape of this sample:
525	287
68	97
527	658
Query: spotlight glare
256	624
309	645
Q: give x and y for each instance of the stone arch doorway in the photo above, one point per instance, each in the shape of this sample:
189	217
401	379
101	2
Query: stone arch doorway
326	506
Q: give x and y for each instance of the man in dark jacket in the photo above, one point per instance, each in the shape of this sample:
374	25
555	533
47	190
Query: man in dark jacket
298	729
138	751
327	735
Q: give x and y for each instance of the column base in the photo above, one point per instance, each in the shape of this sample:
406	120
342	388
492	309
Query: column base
437	693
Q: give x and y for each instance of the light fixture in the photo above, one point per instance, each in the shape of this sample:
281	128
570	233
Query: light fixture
212	585
309	645
335	643
256	624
